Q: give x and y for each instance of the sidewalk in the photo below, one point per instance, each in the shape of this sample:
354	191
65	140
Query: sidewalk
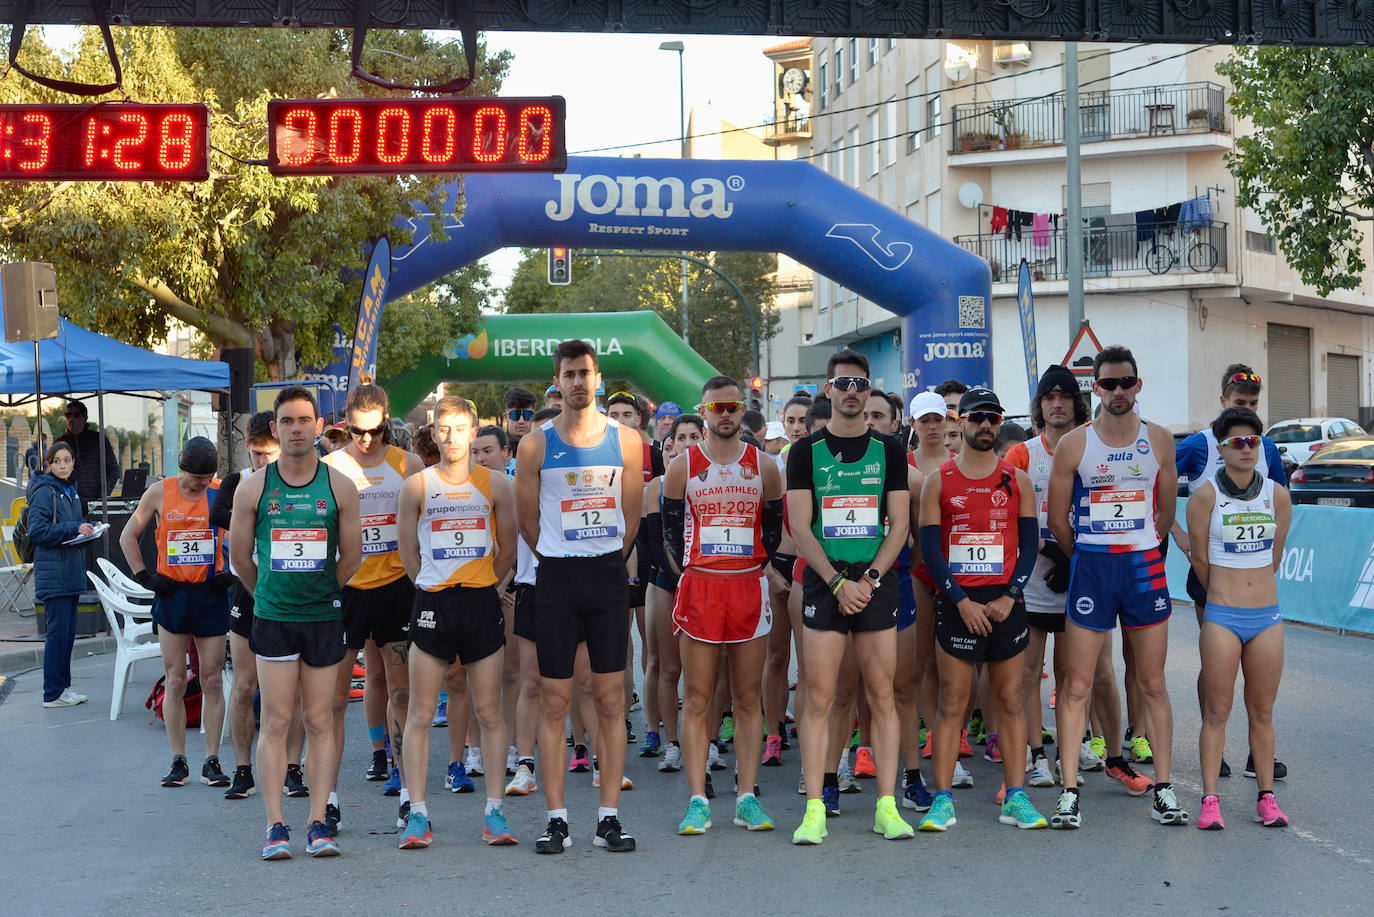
21	646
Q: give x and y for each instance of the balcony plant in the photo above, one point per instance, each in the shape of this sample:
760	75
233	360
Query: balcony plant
1006	122
1198	118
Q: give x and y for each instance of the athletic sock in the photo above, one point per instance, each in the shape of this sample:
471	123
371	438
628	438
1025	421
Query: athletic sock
405	796
1071	789
1117	761
702	799
1013	790
831	779
333	799
1263	793
1037	752
606	812
419	808
528	762
740	798
558	813
913	776
443	697
492	805
376	733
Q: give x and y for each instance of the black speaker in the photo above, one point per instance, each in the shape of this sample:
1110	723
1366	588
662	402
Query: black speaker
240	360
29	291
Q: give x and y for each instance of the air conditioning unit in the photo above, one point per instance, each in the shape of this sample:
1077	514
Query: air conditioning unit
1006	53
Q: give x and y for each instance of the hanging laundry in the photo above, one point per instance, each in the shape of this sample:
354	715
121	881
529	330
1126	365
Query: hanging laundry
1040	225
1144	226
1171	213
1121	243
1195	214
1014	224
999	219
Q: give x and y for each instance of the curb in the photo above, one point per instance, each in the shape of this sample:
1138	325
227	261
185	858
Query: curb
19	660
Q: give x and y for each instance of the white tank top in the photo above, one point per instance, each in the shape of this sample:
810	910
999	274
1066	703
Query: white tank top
1114	495
1037	592
1240	533
581	513
455	531
1214	462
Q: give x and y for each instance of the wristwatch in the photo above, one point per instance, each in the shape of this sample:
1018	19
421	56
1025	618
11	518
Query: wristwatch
873	576
1013	592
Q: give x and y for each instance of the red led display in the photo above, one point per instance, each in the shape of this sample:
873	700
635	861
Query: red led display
104	142
405	136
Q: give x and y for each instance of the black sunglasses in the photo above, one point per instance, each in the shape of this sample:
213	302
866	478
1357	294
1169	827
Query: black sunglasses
359	432
1112	385
854	383
978	418
520	414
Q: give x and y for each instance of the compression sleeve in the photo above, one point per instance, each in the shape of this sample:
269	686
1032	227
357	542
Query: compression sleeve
932	552
652	527
1277	474
221	508
674	522
772	525
1027	534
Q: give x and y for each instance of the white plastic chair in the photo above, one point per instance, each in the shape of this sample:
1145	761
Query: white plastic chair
121	583
128	648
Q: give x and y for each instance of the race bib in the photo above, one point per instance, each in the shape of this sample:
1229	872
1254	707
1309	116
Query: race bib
729	536
190	546
1247	533
851	517
463	538
299	550
1117	510
379	533
590	517
975	553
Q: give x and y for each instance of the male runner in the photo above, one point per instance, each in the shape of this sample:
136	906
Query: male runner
667	412
951	390
1111	504
458	533
189	601
579	490
722	508
377	599
623	408
553	398
843	483
979	539
519	417
300	518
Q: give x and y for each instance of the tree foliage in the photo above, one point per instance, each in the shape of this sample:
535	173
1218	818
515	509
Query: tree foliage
1308	168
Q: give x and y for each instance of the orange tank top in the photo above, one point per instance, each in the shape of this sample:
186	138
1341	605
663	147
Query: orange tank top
188	546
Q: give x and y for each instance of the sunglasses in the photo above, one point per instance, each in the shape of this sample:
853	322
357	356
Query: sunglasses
1125	382
520	414
1240	442
629	395
978	418
851	383
359	432
722	407
1244	377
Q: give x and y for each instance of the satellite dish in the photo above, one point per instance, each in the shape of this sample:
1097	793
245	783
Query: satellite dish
957	70
970	194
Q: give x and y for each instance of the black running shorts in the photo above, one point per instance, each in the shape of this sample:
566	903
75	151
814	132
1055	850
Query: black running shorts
318	644
524	611
381	614
1007	640
458	623
240	610
198	611
581	600
821	610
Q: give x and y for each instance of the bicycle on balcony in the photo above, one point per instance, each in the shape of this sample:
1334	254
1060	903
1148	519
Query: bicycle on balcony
1201	254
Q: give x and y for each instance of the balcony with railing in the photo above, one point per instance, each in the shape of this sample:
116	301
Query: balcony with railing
793	126
1167	249
1182	115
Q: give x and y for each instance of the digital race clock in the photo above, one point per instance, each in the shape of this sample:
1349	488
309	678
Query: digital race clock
403	136
108	141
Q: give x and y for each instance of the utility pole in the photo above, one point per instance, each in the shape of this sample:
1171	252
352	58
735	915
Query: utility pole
1073	179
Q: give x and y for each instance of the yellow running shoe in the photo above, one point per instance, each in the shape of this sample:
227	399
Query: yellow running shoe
888	823
812	829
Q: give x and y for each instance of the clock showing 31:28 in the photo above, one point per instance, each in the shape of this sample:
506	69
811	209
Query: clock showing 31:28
104	142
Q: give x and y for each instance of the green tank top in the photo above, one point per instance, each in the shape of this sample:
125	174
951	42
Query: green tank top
849	502
297	540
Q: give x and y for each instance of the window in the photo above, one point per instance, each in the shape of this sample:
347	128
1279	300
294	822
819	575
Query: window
889	132
934	213
839	69
825	87
891	43
853	154
933	100
853	60
913	116
1259	242
872	51
875	154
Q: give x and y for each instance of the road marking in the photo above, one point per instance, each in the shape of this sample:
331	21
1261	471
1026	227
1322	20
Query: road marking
1333	847
94	719
6	686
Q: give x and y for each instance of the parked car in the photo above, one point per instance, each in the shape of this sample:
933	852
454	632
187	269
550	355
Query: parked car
1341	474
1299	439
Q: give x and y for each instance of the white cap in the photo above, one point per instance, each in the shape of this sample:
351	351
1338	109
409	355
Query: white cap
774	430
927	403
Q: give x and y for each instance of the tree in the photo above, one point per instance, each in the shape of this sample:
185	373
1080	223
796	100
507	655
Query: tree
248	259
1308	168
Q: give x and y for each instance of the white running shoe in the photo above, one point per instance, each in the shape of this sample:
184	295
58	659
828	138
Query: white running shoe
473	764
962	779
523	783
1039	773
512	760
1088	761
713	759
68	698
671	762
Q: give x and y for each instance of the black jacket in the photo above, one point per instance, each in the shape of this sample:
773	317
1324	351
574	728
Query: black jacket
87	449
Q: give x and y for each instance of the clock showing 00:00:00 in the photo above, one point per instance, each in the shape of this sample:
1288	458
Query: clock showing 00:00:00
104	142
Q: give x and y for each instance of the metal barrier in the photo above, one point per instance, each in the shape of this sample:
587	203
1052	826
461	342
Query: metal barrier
1164	249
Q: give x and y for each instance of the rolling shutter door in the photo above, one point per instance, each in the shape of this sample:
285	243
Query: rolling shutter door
1343	385
1289	382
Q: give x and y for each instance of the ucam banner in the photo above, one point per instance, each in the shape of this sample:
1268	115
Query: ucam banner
1026	307
363	363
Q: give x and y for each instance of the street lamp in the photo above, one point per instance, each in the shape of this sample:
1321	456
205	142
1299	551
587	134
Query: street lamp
679	47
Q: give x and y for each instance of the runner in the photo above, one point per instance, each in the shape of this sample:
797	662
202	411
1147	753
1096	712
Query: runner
377	599
189	602
457	540
518	418
579	487
843	483
968	541
624	409
722	515
296	541
1111	501
553	398
667	412
951	390
1237	523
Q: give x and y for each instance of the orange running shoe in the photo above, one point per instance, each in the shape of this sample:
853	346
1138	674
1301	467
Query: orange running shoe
930	739
965	750
863	763
359	671
1136	784
1002	793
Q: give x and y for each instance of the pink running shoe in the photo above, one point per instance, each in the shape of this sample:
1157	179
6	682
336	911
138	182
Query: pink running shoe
772	751
1267	812
1210	819
993	752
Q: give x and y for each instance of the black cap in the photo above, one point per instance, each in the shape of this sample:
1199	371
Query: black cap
979	399
198	456
1057	378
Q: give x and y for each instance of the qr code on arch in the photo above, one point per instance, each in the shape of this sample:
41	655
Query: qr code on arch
972	313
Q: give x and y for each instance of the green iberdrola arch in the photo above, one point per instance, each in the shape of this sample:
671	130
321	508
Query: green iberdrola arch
638	346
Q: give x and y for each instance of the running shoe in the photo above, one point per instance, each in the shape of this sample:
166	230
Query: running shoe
278	846
782	733
652	746
1135	784
1046	737
1039	773
1225	770
672	759
1267	812
295	782
727	729
1280	769
403	814
772	751
801	785
1088	758
495	831
629	733
580	762
523	783
610	835
474	762
1054	692
555	838
1001	793
887	821
392	787
965	751
1017	810
635	702
976	725
847	781
855	738
319	842
697	819
714	761
916	796
212	775
830	798
1098	745
1209	819
863	763
68	698
749	814
417	833
993	752
457	779
1140	751
941	814
380	767
812	829
512	760
625	782
179	773
963	780
243	785
440	719
929	741
1066	812
1166	810
332	817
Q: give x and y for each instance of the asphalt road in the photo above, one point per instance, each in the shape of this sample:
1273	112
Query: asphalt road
89	830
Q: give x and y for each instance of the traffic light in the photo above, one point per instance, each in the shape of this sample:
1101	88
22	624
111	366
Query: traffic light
756	384
560	266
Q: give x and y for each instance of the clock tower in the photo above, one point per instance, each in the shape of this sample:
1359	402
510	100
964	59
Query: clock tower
791	94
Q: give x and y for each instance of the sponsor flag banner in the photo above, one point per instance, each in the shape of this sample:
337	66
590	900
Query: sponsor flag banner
1026	308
